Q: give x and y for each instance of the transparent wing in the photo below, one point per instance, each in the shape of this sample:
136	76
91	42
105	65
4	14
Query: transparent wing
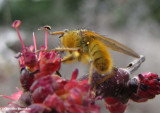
112	44
116	46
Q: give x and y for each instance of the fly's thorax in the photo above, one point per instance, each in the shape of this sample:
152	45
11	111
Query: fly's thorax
101	57
71	39
85	43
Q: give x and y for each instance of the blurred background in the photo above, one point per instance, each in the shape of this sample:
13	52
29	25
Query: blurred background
135	23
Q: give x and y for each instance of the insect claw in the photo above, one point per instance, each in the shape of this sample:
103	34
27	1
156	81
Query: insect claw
58	73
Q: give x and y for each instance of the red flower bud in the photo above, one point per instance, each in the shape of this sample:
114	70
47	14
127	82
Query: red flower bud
149	87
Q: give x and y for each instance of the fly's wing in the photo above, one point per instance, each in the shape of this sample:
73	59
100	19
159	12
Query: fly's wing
116	46
112	44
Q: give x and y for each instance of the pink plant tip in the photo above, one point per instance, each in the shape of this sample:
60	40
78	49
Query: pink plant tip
14	96
34	41
16	24
74	74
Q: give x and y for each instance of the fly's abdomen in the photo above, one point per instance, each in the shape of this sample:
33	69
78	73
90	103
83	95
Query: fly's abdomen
101	57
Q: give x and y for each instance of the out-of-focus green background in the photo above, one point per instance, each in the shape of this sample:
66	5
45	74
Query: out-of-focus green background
135	23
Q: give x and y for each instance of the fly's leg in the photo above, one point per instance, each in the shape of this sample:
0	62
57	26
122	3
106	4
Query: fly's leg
90	72
71	57
114	71
59	49
56	33
47	28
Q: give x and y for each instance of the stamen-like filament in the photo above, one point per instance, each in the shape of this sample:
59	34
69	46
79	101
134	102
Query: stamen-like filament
16	25
35	44
46	40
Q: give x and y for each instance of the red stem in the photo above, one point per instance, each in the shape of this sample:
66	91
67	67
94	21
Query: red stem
23	46
35	44
46	40
34	41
